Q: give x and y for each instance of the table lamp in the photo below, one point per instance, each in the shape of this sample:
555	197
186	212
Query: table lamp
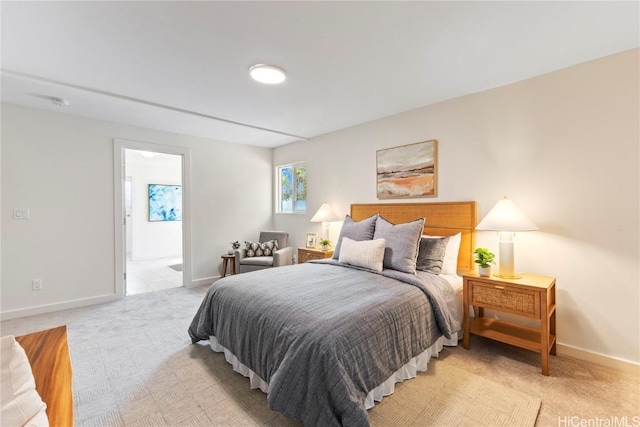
506	218
325	215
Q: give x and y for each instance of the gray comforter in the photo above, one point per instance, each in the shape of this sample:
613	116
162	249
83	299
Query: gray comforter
322	335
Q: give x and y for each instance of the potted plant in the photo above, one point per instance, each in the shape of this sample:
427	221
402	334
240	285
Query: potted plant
235	245
324	244
484	258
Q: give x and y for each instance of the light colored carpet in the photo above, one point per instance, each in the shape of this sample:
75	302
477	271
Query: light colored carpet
134	365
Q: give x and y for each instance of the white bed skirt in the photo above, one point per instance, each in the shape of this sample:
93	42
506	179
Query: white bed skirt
410	370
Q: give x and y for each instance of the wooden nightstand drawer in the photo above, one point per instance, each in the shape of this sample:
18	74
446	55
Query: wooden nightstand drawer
518	301
305	255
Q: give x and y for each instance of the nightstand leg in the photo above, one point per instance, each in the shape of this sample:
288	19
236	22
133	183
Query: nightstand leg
552	330
552	324
465	315
544	334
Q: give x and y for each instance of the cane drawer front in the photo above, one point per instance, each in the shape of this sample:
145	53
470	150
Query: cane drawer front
523	302
313	255
305	255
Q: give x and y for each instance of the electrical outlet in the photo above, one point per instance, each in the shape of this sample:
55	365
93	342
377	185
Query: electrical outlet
36	285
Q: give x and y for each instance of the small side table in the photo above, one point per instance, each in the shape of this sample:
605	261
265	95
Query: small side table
231	260
305	254
529	296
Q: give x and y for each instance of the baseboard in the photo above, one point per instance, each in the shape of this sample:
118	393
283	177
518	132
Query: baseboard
49	308
598	358
201	282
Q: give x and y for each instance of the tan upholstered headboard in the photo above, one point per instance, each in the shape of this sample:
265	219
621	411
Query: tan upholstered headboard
441	219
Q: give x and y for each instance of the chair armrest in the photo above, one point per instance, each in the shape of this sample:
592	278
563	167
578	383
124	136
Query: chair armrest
283	256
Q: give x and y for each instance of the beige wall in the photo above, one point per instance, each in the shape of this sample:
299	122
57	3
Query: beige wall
61	167
564	146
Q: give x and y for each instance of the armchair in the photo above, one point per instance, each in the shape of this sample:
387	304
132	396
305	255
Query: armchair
283	256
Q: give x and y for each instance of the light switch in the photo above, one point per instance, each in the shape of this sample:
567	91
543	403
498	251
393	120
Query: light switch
21	213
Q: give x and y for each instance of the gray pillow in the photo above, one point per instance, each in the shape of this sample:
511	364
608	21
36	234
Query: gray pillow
401	243
355	230
431	254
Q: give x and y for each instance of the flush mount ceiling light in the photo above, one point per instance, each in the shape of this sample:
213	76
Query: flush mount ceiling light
267	74
60	102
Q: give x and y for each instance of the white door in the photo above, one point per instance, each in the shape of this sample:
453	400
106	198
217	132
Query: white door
128	224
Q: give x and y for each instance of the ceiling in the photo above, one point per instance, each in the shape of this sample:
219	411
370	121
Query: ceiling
183	66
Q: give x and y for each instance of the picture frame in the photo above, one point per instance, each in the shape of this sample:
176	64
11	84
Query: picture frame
407	171
311	240
165	202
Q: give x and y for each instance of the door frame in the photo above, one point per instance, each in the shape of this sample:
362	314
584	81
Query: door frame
119	145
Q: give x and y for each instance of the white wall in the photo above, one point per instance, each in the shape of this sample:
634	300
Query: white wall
61	167
155	239
564	146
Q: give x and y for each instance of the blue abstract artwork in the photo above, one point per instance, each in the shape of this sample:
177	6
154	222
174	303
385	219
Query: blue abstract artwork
165	202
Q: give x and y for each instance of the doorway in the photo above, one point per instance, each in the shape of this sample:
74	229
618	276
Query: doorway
153	212
151	217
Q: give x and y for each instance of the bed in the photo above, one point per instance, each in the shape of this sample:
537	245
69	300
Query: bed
326	339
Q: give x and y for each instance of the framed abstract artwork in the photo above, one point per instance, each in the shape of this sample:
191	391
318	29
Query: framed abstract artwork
407	171
165	202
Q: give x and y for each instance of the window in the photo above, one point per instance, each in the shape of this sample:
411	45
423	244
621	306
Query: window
292	188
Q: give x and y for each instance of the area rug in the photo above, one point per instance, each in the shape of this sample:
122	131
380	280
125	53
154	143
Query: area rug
197	387
449	396
176	267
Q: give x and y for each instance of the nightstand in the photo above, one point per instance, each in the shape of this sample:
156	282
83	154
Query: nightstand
305	254
529	296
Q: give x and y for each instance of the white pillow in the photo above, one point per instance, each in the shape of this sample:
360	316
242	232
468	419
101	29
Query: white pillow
366	253
21	403
450	261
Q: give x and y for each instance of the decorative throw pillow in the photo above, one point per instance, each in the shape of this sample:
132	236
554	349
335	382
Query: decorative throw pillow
355	230
402	243
261	249
366	253
21	403
450	262
431	254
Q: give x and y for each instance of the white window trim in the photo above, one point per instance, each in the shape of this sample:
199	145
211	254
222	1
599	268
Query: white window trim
279	188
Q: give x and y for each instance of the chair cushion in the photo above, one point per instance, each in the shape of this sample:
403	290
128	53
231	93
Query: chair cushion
266	261
281	236
257	249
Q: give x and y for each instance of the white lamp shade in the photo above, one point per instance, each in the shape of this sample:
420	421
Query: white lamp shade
325	214
505	216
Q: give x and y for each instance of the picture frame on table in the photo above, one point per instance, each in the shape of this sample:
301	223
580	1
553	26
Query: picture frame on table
311	240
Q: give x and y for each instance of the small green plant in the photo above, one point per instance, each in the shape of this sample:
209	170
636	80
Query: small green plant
484	257
235	245
325	242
